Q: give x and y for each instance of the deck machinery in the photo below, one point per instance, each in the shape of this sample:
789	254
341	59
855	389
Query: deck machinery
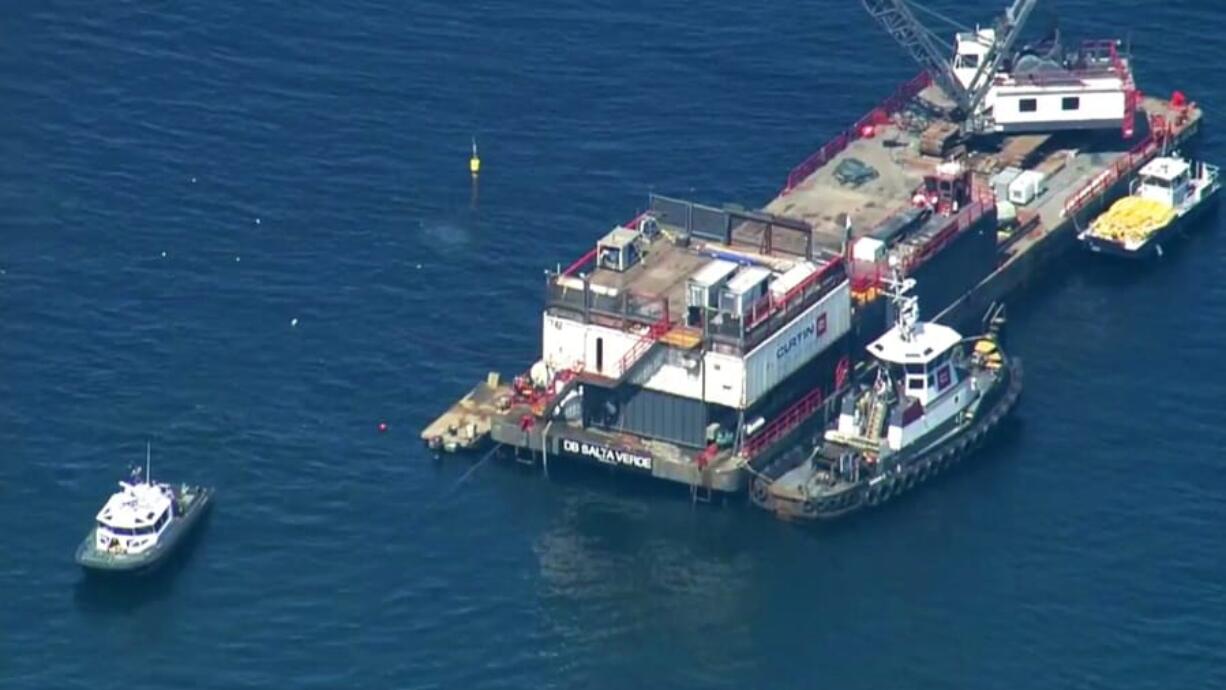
696	343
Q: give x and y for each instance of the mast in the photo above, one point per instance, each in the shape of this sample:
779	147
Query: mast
906	307
148	462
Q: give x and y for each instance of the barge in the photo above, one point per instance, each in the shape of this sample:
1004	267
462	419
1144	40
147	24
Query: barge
698	343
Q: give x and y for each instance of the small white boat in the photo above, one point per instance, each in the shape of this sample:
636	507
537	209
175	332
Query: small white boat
142	524
1168	193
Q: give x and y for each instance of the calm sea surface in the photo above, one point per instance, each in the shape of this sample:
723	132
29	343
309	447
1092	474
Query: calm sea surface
180	180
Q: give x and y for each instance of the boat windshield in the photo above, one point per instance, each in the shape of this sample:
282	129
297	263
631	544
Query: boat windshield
137	531
126	531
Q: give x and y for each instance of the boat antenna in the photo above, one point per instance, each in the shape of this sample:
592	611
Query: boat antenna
906	307
148	462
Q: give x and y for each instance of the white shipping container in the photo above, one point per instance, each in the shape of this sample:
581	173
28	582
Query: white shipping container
566	344
725	380
798	343
791	278
869	250
1000	182
1025	187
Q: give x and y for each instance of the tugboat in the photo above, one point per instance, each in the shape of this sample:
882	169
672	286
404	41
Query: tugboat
1168	193
932	400
141	524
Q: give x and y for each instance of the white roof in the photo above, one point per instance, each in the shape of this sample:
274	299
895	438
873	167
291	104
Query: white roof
929	341
748	279
713	272
619	237
135	505
792	277
1165	168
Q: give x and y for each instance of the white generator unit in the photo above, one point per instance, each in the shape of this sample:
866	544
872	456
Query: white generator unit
1025	187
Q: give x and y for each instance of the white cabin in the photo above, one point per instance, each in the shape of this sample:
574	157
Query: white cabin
1045	96
919	366
1166	180
133	518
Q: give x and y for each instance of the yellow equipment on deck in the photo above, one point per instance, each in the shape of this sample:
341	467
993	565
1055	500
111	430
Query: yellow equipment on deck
987	352
1132	219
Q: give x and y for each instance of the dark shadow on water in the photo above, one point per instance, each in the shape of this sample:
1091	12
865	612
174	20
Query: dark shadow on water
120	594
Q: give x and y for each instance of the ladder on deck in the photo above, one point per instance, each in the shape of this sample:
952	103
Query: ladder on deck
876	420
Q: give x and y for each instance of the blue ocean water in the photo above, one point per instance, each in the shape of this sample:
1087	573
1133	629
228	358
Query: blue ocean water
180	181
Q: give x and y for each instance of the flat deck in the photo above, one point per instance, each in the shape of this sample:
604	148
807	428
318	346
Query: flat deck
822	201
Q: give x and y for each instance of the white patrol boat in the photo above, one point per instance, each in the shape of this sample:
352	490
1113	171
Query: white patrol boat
1167	194
141	524
930	402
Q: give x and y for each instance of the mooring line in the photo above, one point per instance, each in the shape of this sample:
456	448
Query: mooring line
458	483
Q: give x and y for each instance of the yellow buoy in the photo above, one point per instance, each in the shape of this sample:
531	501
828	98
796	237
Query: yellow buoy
474	163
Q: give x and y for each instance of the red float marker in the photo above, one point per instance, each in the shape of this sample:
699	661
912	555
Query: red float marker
382	427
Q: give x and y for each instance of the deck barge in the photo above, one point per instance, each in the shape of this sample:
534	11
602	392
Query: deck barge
631	377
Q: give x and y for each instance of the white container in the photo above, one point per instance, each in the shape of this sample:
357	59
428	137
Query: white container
794	276
1000	182
704	285
744	289
869	250
796	344
1026	187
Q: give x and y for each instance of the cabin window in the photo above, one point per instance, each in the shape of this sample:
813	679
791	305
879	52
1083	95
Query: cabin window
1070	103
600	354
915	383
1027	105
157	526
968	60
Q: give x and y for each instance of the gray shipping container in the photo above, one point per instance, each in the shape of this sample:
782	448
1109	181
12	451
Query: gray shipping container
648	413
1000	182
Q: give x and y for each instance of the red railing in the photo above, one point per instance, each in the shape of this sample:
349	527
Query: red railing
960	222
580	263
1109	48
590	257
1146	149
780	426
876	116
766	307
866	276
654	332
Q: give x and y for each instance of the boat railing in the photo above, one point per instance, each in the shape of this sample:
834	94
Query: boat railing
903	95
868	278
782	425
1140	154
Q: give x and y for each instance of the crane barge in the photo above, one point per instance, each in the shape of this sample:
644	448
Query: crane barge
709	345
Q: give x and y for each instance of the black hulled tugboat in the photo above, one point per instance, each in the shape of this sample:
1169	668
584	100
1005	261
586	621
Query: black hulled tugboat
928	399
